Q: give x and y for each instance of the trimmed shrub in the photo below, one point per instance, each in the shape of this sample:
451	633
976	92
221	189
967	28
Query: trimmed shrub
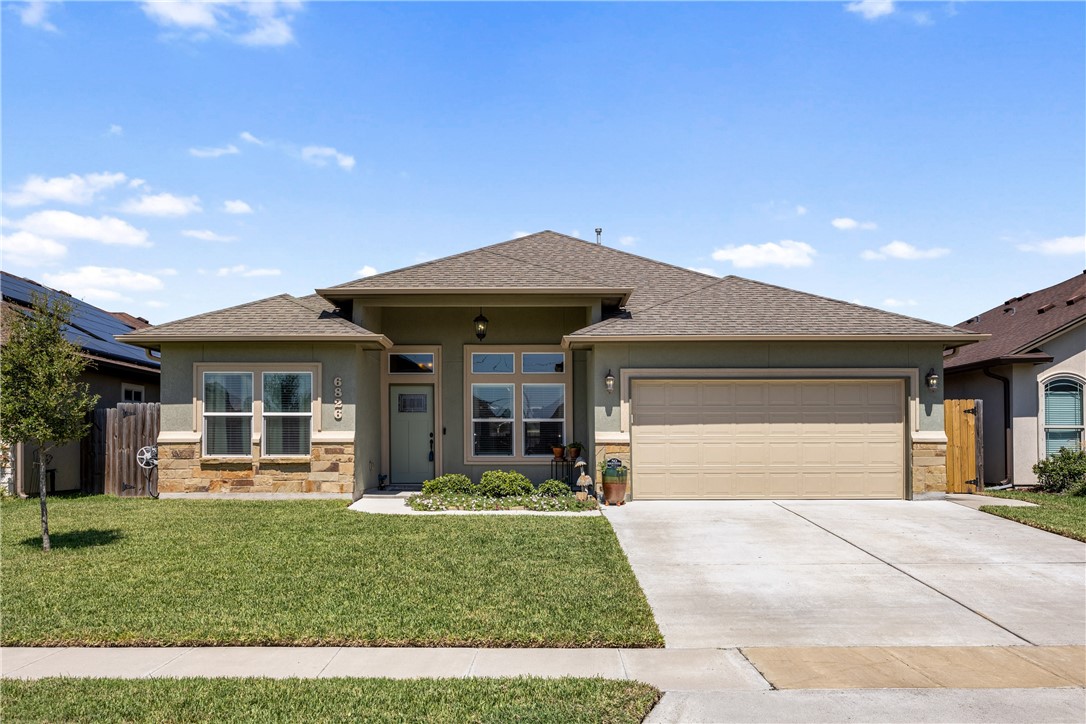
553	488
1063	472
449	483
504	483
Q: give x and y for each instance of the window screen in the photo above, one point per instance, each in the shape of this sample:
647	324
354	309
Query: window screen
1063	415
288	413
228	413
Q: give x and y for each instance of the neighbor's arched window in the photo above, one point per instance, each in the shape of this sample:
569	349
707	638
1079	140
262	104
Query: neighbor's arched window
1063	415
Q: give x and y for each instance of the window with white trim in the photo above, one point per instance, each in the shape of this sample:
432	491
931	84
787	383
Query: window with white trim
1063	399
543	417
519	398
228	414
287	413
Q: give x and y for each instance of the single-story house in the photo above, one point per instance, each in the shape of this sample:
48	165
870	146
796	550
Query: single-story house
116	372
706	387
1029	374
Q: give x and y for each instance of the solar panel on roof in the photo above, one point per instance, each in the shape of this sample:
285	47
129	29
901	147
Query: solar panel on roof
91	328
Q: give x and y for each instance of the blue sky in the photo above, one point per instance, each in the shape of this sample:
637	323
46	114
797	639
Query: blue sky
169	159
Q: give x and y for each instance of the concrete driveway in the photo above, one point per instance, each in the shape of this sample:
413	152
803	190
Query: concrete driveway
849	573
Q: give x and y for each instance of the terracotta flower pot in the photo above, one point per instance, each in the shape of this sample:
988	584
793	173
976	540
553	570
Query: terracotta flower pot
559	452
614	493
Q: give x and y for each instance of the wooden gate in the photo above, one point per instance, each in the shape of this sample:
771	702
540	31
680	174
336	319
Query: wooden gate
964	424
130	426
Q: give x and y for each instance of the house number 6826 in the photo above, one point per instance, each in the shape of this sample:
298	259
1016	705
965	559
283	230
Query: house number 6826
337	402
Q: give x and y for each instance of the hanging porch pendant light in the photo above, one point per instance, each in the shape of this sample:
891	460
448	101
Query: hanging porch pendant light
481	323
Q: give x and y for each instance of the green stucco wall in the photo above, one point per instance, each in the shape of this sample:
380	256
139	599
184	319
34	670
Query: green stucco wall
763	355
340	360
452	329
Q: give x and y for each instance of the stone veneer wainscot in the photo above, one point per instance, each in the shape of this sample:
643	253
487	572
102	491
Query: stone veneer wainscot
330	469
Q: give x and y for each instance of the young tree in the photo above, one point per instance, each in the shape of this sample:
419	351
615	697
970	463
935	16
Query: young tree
42	400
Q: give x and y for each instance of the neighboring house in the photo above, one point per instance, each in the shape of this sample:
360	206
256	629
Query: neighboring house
1030	375
708	387
116	372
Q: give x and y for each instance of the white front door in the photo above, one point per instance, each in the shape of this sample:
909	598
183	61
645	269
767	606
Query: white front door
411	434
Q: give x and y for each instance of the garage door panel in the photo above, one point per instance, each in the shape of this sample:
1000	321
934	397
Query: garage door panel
769	439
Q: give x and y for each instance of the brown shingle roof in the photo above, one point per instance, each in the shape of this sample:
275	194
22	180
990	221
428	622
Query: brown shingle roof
282	317
1018	325
538	261
738	307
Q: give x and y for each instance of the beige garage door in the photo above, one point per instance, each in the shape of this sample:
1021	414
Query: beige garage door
768	439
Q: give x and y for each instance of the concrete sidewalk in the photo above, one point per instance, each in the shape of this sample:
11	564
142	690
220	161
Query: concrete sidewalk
752	669
686	670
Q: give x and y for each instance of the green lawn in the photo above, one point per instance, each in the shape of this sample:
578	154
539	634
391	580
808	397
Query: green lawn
127	572
1063	514
327	700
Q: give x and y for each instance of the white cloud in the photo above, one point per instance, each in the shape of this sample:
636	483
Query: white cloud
846	224
136	183
575	233
244	271
903	250
70	189
115	130
704	270
521	234
33	15
801	210
66	225
1058	246
107	284
320	155
162	205
211	152
366	271
266	23
627	240
250	138
206	235
26	249
237	206
786	253
891	302
186	14
871	9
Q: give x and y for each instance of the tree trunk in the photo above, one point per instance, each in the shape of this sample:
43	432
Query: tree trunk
41	493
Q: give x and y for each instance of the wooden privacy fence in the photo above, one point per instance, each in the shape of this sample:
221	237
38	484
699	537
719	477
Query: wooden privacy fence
963	422
128	427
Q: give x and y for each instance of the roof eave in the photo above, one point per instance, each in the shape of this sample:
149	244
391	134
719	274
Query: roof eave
948	340
1048	336
1008	359
374	341
623	293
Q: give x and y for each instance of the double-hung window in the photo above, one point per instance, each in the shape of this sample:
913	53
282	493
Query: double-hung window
519	398
288	413
228	414
1063	400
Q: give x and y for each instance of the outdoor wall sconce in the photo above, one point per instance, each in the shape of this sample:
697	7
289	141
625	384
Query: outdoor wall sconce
481	323
932	379
609	382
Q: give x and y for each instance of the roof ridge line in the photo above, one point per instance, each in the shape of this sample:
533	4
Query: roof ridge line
213	311
853	304
716	280
339	319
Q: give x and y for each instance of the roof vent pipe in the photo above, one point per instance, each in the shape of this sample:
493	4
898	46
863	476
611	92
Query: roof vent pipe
599	233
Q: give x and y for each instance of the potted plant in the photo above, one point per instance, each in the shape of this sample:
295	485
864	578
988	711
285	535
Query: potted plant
575	450
559	451
614	484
